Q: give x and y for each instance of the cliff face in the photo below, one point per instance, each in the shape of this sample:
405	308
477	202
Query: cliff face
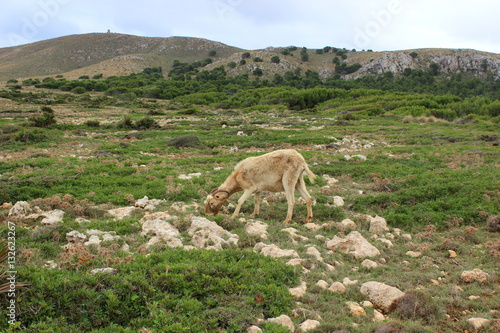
470	62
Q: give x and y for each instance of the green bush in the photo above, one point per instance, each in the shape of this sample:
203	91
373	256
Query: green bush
168	291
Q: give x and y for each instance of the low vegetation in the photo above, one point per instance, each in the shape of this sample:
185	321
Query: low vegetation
422	156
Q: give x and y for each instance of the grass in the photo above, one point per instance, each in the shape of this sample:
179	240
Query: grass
437	181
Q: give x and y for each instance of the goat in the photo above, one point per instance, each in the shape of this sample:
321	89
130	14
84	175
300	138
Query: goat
278	171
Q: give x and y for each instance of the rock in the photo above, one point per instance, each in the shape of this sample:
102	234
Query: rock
283	320
314	252
6	205
378	316
50	264
312	226
274	251
254	329
475	275
52	217
378	225
107	270
369	264
168	241
159	228
386	242
148	204
338	201
346	225
299	291
158	216
185	141
122	212
308	325
322	284
19	210
414	254
329	180
348	282
356	309
381	295
93	240
208	235
477	323
75	237
452	254
353	244
337	287
189	176
257	228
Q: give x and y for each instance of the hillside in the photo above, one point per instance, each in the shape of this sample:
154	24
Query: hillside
111	54
118	54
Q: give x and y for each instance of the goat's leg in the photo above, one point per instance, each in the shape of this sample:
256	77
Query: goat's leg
256	208
241	200
301	187
289	187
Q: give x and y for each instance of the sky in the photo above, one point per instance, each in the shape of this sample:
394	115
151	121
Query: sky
378	25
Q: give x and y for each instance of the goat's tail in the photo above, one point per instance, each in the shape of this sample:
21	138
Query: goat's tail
310	174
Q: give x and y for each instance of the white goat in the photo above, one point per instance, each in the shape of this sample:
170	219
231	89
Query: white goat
278	171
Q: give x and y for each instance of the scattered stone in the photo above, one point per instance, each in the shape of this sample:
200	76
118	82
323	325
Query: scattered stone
369	264
350	157
308	325
312	226
148	204
299	291
274	251
257	228
189	176
477	323
52	217
348	282
122	212
381	295
285	321
378	225
475	275
346	225
7	205
329	180
314	252
356	309
254	329
378	316
107	270
294	262
50	264
93	240
386	242
159	228
407	237
322	284
338	201
353	244
337	287
414	254
75	237
209	235
452	254
19	210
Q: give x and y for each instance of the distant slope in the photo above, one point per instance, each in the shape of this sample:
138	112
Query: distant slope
118	54
114	52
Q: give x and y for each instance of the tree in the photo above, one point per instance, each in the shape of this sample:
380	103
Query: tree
231	64
212	53
245	55
258	72
275	59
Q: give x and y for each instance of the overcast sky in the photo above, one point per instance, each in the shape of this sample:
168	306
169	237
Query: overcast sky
378	25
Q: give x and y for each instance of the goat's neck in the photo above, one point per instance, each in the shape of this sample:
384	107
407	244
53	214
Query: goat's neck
231	186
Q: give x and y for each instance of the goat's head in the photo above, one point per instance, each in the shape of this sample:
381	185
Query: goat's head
215	200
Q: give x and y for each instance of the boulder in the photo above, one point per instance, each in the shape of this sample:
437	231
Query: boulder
283	320
477	323
208	235
53	217
257	228
353	244
274	251
356	309
159	228
378	225
381	295
75	237
308	325
300	290
122	212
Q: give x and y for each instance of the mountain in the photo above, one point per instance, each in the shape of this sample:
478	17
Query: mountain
118	54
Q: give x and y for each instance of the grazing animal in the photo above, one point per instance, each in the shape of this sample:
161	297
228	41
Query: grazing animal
278	171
